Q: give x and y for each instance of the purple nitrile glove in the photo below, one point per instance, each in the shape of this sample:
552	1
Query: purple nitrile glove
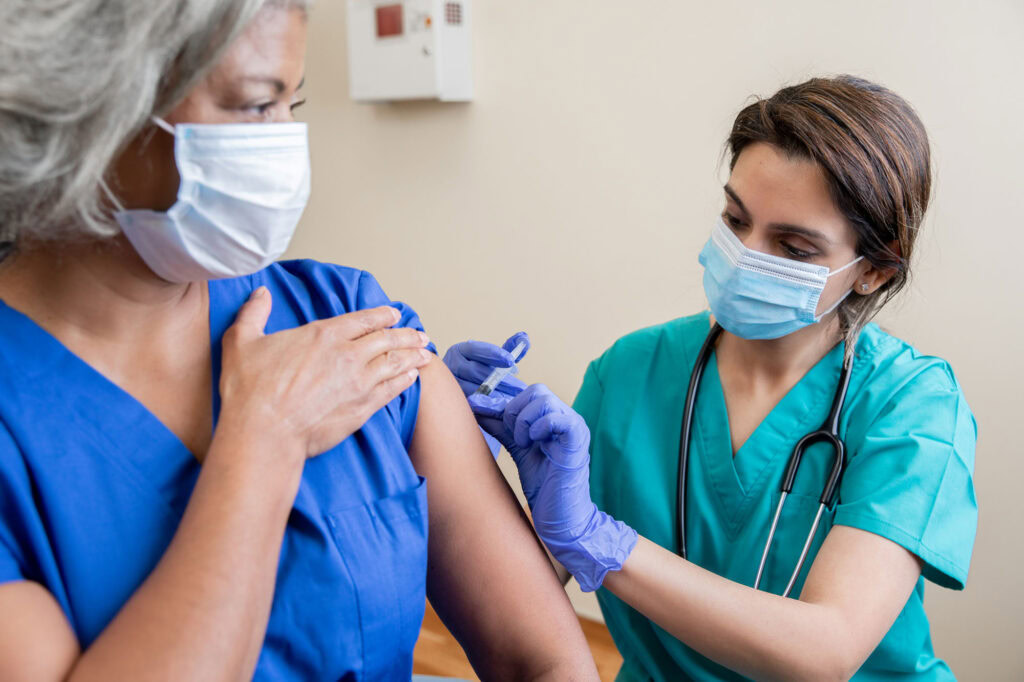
550	444
471	362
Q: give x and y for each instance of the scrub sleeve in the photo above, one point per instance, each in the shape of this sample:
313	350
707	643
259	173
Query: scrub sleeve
910	478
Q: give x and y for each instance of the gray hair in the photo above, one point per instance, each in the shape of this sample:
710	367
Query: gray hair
78	81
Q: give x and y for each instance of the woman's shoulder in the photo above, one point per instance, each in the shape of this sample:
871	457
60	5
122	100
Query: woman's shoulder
897	384
317	290
312	290
880	354
351	288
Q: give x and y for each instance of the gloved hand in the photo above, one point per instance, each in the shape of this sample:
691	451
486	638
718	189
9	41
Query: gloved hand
471	362
550	445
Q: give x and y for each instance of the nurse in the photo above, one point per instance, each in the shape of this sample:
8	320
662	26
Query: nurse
214	466
828	186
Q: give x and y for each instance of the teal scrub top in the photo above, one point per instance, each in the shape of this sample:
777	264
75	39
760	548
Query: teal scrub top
910	438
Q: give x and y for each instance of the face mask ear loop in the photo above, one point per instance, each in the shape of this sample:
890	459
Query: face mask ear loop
848	265
834	305
110	195
162	124
103	183
848	291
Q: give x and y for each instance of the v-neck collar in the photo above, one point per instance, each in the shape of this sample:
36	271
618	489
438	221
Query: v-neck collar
740	481
131	435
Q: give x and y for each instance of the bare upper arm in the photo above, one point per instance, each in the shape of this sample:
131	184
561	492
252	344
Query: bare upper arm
867	579
36	640
488	576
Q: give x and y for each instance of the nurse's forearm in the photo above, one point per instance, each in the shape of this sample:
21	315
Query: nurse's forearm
203	611
762	635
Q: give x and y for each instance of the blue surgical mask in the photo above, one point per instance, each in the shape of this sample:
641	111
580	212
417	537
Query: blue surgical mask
756	295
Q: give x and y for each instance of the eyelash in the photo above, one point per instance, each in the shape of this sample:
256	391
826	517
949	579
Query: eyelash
795	252
735	223
262	109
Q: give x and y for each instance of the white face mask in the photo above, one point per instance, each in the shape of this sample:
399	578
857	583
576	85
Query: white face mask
243	189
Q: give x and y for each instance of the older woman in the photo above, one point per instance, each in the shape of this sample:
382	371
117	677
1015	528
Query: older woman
212	465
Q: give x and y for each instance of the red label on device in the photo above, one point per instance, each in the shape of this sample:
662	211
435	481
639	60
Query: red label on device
389	20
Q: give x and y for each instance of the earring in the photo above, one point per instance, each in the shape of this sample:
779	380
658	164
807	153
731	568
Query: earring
864	287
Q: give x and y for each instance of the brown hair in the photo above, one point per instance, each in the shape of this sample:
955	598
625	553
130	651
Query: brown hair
874	152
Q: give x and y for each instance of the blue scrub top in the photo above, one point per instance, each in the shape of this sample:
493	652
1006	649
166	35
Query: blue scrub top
910	439
93	486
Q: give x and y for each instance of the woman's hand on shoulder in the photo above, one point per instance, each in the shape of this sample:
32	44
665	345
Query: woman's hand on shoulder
306	389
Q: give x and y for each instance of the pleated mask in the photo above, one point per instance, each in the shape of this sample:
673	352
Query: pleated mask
243	189
757	295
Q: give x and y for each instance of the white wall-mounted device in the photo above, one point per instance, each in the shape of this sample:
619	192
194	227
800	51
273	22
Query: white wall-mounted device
409	49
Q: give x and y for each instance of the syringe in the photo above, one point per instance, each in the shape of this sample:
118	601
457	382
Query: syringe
499	373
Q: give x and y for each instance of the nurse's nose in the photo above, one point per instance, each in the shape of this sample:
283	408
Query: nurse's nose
756	239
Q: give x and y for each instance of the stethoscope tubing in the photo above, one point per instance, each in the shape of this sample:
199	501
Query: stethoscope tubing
828	433
685	431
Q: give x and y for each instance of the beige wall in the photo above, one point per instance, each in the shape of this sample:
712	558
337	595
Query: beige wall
571	198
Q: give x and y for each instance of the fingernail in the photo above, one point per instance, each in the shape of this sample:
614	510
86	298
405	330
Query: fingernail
424	339
426	354
260	292
395	314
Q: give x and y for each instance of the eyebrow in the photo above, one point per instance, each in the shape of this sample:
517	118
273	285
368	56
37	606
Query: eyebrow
277	83
782	227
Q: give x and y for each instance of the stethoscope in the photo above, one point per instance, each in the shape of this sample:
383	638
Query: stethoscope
828	433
